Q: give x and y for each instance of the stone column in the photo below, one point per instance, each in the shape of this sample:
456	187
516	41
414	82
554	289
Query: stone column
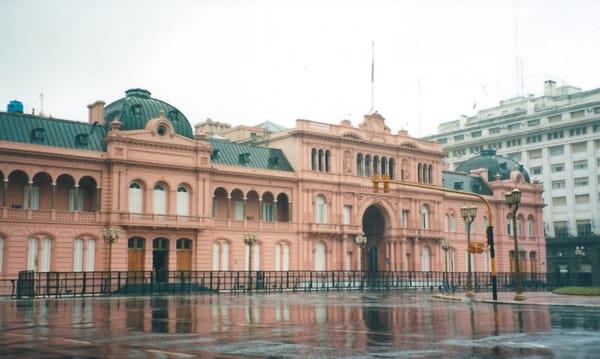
53	199
290	211
76	205
5	193
98	199
228	206
30	197
260	207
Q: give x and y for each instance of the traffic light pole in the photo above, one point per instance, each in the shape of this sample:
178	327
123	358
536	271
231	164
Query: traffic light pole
385	179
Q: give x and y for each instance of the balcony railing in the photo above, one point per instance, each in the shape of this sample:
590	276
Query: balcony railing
50	215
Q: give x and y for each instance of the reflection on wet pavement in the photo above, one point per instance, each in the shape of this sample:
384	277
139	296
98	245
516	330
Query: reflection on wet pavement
325	325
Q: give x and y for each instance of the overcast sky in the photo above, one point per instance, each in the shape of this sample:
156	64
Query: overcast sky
251	61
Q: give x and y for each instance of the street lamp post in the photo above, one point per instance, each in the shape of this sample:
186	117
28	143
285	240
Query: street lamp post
446	247
513	199
361	241
579	253
468	215
110	235
250	239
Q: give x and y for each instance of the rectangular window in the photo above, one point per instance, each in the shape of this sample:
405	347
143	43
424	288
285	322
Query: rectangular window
581	181
534	154
513	142
559	167
555	135
476	134
534	139
555	118
514	126
494	130
459	137
580	165
561	229
577	131
579	147
78	255
532	123
559	201
582	199
557	151
596	109
597	144
598	179
536	170
577	115
443	141
596	128
404	218
584	227
558	184
347	214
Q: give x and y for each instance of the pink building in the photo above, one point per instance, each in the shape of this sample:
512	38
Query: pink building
184	201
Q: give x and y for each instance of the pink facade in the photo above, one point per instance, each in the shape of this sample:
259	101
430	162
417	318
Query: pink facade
176	208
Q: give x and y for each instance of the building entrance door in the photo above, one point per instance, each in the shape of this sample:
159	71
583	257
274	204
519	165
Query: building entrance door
160	259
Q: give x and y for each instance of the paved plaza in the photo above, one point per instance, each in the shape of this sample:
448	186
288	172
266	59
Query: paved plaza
300	325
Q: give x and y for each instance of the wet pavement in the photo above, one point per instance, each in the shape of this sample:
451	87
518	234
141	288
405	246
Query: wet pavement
294	325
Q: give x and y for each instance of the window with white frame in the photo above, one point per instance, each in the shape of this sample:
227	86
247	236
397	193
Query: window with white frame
404	218
320	209
580	147
159	199
320	256
84	254
557	151
32	197
238	210
135	197
282	257
39	254
347	214
183	201
530	227
255	257
558	167
220	259
581	181
536	170
425	216
580	165
582	199
509	225
267	211
558	184
559	201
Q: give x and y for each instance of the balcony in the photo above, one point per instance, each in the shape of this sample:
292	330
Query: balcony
251	225
162	220
50	215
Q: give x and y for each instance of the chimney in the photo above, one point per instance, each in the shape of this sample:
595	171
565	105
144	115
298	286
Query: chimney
549	88
96	114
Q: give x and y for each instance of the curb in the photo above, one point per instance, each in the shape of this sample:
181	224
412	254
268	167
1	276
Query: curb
514	302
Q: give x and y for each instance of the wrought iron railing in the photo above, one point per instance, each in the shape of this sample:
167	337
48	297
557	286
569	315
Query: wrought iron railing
59	284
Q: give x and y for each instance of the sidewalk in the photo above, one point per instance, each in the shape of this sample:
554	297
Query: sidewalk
531	298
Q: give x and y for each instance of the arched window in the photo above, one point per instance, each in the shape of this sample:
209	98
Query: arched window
420	173
447	223
321	160
392	168
368	165
452	223
519	225
135	197
384	164
425	216
425	259
320	209
530	228
314	159
327	161
360	163
183	201
509	225
159	199
220	259
320	257
375	165
282	257
425	174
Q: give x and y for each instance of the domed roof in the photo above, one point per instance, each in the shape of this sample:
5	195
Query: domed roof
137	108
494	164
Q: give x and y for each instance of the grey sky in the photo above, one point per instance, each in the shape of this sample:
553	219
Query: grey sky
250	61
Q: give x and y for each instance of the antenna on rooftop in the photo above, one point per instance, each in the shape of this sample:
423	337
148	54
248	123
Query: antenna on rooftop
41	103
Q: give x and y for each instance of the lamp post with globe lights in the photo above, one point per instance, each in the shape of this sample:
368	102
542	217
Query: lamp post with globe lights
468	215
110	235
513	199
445	248
250	239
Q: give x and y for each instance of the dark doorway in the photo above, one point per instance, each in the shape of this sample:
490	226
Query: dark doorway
160	259
373	222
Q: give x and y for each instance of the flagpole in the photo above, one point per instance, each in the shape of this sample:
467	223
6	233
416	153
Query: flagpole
372	76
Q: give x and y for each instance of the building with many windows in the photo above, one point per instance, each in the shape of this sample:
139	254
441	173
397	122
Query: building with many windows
557	138
187	200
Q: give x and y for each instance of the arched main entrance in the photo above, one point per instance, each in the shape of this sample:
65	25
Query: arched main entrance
374	227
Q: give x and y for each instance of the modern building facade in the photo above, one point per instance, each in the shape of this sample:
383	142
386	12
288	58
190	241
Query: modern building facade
184	200
557	138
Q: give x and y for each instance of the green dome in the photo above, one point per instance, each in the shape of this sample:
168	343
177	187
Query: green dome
137	108
494	164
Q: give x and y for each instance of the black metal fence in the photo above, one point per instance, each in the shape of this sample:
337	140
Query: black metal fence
59	284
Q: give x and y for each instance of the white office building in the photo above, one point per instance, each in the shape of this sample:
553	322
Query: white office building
555	136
